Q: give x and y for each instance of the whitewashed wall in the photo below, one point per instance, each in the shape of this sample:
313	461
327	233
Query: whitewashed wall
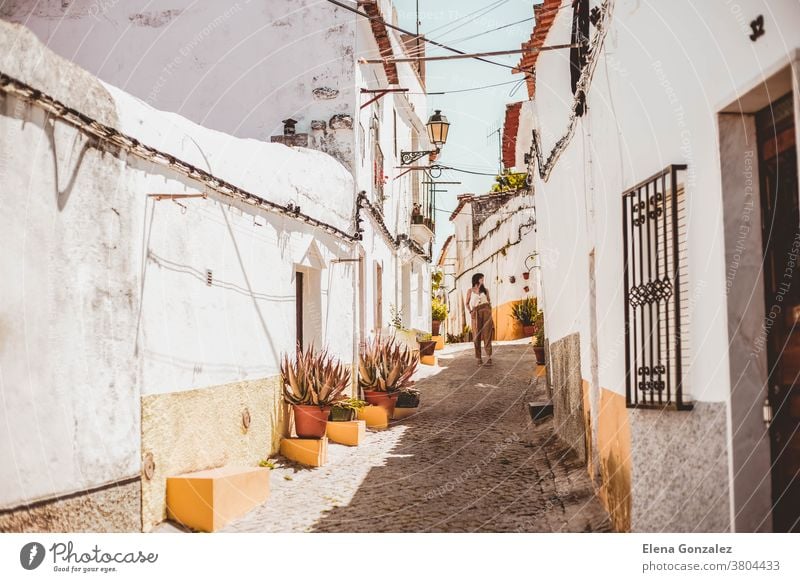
239	67
104	294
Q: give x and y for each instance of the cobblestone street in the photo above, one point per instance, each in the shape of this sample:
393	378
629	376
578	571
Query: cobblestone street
470	460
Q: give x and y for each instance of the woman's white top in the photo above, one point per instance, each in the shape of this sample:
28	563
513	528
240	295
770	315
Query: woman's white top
477	299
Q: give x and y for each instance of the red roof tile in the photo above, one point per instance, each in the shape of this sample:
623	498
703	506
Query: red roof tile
381	34
510	128
545	15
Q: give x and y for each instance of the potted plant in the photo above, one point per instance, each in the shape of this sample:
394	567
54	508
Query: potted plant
438	314
385	368
409	398
538	338
312	382
526	275
525	313
346	409
427	346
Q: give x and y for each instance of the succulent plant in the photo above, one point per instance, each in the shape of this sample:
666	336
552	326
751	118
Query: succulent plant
525	311
385	366
313	378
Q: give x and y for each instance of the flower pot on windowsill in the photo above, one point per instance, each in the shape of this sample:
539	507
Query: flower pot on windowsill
426	347
310	421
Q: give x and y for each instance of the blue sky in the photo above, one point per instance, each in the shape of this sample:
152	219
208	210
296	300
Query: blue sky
473	115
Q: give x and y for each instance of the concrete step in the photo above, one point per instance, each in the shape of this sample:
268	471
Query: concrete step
311	452
349	433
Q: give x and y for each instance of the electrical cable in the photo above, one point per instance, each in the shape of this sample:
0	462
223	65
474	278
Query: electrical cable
404	31
466	38
468	89
486	11
446	24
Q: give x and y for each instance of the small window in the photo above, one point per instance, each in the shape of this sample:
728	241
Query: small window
654	223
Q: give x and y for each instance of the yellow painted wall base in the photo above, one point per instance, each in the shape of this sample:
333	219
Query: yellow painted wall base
311	452
439	341
506	327
400	413
374	416
350	433
428	360
208	500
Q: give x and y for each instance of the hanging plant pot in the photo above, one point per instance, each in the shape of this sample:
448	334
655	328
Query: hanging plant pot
436	326
526	275
526	288
310	421
386	400
512	279
528	330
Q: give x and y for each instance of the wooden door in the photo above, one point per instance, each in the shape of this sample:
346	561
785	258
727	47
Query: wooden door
780	217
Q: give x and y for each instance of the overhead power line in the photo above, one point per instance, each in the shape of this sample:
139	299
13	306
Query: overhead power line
463	55
473	13
404	31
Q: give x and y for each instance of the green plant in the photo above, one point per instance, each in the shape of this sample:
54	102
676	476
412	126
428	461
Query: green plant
538	333
267	463
525	311
424	337
313	378
385	366
397	317
438	309
509	181
436	280
350	404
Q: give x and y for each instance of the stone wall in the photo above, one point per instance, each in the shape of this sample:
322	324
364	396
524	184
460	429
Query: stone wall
565	367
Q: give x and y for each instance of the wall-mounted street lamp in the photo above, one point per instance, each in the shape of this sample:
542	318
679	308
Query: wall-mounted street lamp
438	127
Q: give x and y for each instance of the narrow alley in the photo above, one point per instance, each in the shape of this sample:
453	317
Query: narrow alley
470	460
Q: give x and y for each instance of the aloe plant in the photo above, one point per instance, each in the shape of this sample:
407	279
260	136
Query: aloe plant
385	366
525	311
313	378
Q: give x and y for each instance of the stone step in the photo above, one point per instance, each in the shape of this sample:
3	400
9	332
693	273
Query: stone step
349	433
208	500
311	452
374	416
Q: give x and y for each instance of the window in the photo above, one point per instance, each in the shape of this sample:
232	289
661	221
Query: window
656	291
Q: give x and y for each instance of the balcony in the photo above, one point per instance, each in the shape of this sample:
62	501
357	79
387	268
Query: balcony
422	223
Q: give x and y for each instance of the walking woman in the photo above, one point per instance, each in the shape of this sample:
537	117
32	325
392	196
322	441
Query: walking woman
480	307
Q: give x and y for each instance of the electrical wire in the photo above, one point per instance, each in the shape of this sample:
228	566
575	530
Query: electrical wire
486	11
465	38
422	38
447	24
467	89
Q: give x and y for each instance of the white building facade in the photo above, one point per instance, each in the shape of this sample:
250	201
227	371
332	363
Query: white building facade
655	181
157	269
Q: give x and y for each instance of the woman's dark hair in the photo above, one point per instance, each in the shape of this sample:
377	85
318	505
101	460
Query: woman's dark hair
477	277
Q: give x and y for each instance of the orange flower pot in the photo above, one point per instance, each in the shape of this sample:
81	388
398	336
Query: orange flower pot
310	421
386	400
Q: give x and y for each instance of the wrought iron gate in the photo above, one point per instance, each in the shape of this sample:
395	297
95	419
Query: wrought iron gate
656	317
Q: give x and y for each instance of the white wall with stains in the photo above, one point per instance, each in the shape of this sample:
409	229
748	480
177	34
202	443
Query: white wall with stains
104	292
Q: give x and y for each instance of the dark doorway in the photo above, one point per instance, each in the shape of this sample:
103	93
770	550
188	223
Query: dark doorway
298	307
780	218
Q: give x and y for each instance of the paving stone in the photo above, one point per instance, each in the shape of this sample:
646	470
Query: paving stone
470	460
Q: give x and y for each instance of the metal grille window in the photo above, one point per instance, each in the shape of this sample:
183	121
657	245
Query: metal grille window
656	291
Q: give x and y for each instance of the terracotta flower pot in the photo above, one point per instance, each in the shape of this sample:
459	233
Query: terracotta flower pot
386	400
309	420
526	288
427	348
526	275
528	330
539	351
436	325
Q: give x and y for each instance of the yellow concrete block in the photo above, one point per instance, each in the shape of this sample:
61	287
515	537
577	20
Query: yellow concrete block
311	452
541	371
374	416
439	341
350	433
208	500
400	413
428	360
